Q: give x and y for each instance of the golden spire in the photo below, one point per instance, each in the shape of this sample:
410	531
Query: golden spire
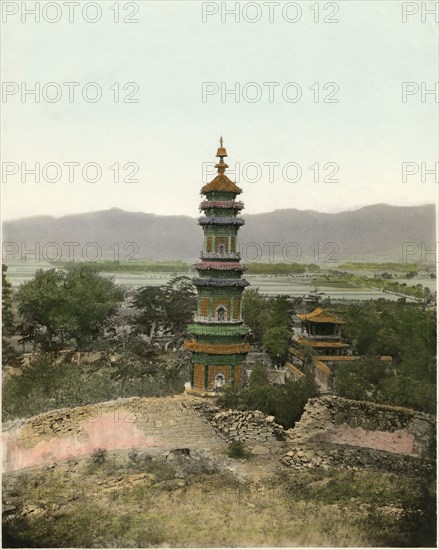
221	150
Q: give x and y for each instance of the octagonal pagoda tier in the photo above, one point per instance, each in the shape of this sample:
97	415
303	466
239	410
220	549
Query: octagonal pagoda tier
218	332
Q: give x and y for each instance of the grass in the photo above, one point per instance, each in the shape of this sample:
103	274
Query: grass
138	501
394	510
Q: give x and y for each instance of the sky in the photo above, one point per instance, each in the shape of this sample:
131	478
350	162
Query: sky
151	92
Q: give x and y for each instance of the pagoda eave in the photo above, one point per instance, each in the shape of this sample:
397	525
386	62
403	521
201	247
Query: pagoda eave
216	349
221	330
235	205
220	220
220	266
210	282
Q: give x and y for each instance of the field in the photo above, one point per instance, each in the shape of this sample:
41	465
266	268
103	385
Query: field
289	283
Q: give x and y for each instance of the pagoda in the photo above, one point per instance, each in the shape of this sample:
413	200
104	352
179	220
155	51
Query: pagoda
217	346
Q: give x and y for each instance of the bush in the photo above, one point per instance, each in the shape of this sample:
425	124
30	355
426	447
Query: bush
99	456
258	376
44	386
285	403
236	449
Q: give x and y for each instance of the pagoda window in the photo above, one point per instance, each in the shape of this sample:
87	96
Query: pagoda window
221	313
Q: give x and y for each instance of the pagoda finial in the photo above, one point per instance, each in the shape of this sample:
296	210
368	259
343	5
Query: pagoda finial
221	150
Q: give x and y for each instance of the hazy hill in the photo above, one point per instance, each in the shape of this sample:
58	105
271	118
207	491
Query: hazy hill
372	232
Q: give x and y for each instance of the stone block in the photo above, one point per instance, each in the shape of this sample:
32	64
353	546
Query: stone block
260	450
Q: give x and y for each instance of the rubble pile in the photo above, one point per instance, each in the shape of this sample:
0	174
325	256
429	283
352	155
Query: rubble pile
330	456
248	427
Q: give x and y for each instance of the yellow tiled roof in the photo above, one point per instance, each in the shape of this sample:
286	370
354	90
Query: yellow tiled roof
221	183
319	315
322	367
339	357
294	369
321	343
386	358
220	349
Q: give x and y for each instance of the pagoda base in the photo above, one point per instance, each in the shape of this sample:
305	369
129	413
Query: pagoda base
213	377
201	393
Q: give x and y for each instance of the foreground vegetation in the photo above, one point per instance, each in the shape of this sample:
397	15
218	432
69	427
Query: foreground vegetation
47	385
136	501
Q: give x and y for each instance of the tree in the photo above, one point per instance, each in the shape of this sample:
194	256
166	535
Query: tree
170	307
55	306
277	343
7	315
180	303
258	376
255	310
149	301
280	309
9	355
90	298
41	305
360	380
307	354
276	335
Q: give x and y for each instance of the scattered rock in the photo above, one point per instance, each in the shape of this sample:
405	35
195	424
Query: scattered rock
243	426
260	450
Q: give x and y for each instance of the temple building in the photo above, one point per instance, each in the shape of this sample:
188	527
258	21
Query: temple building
321	332
217	346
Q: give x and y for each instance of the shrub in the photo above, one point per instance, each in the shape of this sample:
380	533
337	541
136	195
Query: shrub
45	386
236	449
285	402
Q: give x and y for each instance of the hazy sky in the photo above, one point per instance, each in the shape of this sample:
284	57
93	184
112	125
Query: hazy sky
362	140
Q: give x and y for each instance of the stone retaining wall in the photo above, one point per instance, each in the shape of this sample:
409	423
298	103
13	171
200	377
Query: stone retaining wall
160	424
153	423
363	424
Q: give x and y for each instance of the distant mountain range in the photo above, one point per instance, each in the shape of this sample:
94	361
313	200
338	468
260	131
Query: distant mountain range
374	232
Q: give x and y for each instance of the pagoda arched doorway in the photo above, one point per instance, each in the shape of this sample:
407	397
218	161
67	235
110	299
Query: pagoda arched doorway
220	381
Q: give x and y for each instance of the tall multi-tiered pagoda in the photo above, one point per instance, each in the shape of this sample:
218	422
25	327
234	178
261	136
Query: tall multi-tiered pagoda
218	347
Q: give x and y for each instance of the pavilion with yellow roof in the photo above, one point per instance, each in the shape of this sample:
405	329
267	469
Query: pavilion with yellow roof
321	332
